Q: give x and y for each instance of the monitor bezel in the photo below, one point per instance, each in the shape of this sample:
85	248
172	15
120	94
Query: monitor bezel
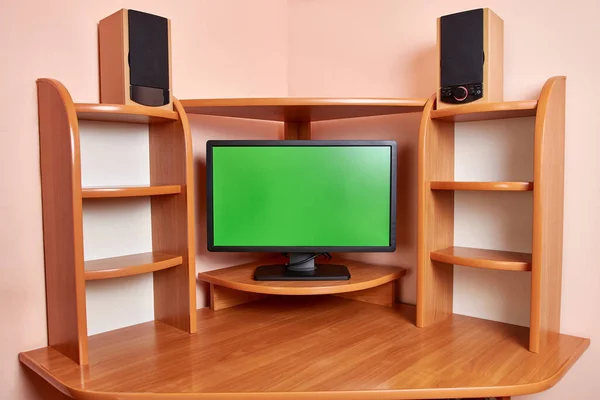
302	143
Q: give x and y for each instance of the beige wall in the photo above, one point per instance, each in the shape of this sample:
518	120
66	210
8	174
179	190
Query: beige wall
298	48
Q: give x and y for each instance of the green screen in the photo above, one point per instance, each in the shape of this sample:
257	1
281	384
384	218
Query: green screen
301	196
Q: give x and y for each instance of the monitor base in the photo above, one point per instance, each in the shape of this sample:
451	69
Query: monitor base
321	272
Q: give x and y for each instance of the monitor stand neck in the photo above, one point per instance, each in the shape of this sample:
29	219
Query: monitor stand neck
299	266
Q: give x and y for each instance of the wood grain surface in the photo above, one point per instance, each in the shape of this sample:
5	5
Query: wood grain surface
222	297
298	109
171	163
310	347
482	258
241	277
384	295
296	130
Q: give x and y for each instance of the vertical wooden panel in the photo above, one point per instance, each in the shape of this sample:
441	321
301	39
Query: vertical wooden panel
493	49
171	162
296	130
222	297
383	295
62	218
113	48
548	195
435	218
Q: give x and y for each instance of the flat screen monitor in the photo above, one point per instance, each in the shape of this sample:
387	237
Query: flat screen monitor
301	197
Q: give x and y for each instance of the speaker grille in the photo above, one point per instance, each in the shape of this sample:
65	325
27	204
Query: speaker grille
148	50
461	48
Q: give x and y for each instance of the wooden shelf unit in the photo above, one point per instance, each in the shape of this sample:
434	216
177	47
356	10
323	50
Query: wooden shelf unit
310	347
171	172
436	254
331	344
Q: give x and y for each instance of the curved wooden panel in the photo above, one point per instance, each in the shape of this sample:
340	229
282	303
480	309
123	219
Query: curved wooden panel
481	258
171	163
487	111
134	264
548	198
298	109
310	348
435	218
60	168
483	186
240	277
128	191
124	113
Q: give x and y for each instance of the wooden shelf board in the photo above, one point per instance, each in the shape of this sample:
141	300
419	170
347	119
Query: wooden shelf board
483	186
487	111
363	276
134	264
320	347
128	191
123	113
481	258
302	109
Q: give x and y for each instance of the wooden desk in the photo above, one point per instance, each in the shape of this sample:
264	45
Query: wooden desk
310	347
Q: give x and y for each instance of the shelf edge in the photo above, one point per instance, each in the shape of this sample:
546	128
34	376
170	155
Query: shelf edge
132	270
503	265
131	191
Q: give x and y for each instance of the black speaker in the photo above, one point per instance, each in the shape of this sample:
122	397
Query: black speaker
470	55
135	59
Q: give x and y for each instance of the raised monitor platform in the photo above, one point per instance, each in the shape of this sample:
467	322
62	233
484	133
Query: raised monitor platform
310	347
235	285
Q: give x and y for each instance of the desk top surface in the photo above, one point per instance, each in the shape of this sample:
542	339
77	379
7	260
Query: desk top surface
310	347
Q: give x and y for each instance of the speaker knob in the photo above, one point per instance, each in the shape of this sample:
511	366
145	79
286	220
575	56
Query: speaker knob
460	93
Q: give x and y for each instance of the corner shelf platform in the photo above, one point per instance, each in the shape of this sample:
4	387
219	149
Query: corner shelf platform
299	109
235	285
297	113
310	347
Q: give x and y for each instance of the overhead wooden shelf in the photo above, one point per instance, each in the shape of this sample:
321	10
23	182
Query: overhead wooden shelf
320	347
297	109
135	264
481	258
363	276
483	186
123	113
487	111
128	191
